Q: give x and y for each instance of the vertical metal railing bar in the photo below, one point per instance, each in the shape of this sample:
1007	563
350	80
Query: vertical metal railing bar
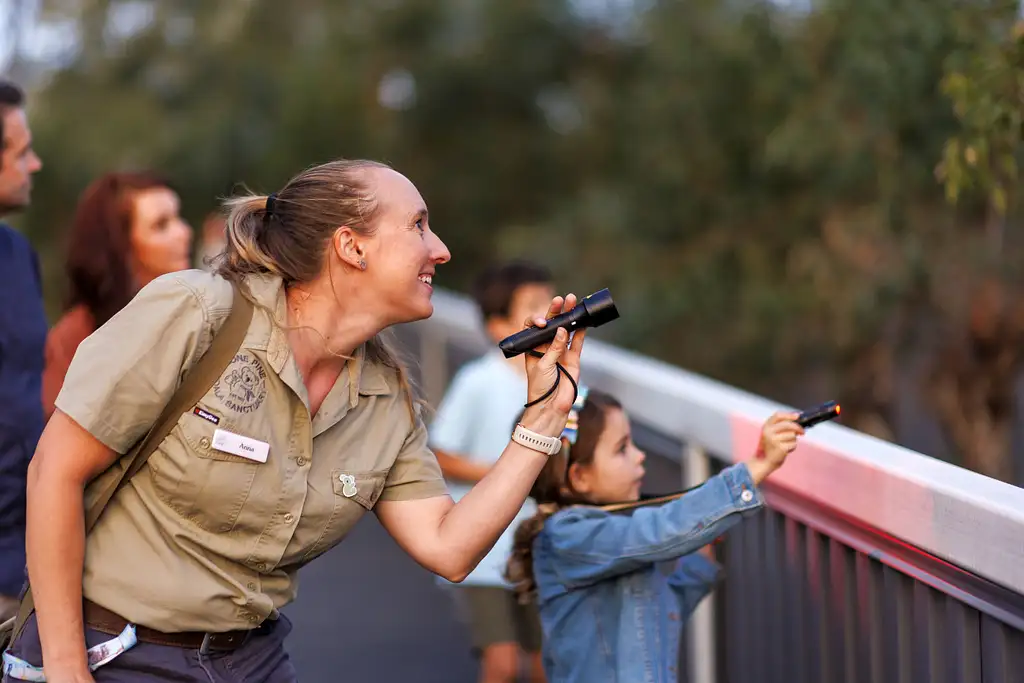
938	635
963	657
761	619
878	633
993	652
848	633
941	636
869	610
757	594
835	611
902	587
701	646
887	624
795	535
733	624
816	640
921	619
744	586
774	613
830	658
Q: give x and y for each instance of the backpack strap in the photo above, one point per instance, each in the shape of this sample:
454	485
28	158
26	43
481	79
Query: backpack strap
198	381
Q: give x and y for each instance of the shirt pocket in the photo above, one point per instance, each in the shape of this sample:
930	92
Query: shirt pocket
206	486
362	487
355	494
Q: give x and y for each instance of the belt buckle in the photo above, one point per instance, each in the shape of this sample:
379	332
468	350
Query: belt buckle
225	640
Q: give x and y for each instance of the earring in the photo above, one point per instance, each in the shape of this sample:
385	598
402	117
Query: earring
362	264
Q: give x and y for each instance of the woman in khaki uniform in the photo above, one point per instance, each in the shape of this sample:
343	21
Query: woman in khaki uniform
310	426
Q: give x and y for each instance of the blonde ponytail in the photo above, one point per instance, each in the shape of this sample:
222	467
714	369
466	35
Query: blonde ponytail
244	254
290	238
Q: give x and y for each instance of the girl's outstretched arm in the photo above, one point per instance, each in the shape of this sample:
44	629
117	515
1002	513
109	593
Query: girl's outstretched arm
591	544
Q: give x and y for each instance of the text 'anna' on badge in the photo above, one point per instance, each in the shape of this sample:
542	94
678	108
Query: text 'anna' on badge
243	446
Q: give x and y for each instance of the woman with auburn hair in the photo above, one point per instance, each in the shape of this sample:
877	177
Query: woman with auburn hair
127	231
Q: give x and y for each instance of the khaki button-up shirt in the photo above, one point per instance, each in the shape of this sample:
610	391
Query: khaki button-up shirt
203	538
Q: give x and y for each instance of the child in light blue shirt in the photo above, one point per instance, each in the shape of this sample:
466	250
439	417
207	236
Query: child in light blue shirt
468	434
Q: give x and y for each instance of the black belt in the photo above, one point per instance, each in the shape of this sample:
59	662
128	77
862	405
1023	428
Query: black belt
105	621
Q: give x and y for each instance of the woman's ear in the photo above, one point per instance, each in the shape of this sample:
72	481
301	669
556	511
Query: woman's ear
349	247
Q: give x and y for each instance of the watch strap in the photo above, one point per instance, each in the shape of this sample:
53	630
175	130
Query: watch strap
549	445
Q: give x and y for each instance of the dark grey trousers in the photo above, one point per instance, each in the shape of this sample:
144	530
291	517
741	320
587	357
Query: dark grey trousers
261	659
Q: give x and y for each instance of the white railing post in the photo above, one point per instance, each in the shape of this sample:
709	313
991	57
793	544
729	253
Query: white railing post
701	652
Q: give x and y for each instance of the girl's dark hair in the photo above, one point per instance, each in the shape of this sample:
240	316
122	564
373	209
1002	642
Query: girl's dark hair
99	258
553	490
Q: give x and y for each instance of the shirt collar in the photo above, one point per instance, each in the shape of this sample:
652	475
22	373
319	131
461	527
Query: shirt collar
365	376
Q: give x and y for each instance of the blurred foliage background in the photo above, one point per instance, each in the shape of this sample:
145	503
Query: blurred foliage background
808	201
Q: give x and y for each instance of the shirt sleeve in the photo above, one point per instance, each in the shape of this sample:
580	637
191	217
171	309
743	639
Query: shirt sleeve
453	422
124	374
415	473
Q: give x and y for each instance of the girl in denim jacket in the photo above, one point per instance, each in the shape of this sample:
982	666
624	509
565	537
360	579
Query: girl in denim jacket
609	612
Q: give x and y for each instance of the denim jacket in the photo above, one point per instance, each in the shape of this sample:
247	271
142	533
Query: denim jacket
609	612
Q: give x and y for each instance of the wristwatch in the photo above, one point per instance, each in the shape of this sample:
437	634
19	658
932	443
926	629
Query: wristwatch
549	445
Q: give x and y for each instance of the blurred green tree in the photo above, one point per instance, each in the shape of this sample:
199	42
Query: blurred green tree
755	182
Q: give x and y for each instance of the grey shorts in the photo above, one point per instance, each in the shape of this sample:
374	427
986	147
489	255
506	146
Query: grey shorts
260	659
495	616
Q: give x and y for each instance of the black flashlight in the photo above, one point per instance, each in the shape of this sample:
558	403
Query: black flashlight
813	416
593	311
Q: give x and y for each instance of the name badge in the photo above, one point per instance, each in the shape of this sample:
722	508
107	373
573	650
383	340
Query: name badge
236	444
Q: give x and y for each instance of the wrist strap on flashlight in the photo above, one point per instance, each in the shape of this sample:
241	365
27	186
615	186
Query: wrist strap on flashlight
558	376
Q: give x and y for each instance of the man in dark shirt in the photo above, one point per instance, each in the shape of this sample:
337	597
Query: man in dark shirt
23	328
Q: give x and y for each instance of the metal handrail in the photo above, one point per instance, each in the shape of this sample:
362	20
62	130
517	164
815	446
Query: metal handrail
957	515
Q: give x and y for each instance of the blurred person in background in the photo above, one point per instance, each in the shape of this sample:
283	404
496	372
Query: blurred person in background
126	232
212	240
22	337
468	435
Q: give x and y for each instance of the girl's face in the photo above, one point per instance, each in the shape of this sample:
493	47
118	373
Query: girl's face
617	469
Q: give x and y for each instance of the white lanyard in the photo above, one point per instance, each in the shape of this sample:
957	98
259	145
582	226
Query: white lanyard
98	655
